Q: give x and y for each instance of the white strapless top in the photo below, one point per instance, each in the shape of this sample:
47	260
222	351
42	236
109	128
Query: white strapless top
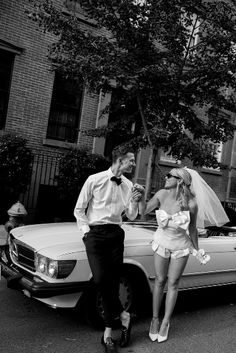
179	219
172	232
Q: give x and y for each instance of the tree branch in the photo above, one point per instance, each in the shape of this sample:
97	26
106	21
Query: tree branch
144	122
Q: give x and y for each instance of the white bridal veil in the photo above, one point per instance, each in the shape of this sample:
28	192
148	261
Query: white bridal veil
210	210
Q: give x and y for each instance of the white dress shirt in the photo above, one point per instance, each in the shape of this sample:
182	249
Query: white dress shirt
102	201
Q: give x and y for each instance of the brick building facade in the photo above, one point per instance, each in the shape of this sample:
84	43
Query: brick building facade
31	106
30	102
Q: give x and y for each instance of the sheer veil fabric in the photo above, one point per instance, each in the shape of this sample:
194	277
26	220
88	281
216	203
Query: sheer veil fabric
210	210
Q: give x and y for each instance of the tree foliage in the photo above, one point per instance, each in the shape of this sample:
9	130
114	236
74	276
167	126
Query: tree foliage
173	59
74	168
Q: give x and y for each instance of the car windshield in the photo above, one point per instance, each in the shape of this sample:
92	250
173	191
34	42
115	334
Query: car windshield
142	224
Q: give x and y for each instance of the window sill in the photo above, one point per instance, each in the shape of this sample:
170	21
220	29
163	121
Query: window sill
211	171
80	16
56	143
177	164
168	163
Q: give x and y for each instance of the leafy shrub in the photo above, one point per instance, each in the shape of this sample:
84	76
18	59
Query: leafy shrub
15	170
74	168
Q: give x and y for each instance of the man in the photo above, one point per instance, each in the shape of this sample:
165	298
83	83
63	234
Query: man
102	200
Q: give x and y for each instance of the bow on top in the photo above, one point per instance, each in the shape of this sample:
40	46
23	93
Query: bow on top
181	219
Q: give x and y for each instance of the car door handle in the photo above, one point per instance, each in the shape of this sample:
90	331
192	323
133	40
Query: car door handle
234	248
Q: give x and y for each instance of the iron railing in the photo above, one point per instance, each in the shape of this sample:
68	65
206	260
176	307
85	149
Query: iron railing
44	172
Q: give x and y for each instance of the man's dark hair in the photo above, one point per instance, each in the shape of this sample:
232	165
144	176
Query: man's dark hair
120	152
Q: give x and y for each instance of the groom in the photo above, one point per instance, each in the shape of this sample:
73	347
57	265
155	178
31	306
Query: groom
102	200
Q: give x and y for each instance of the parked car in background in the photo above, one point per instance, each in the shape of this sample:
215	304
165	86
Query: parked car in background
227	229
48	262
231	213
223	231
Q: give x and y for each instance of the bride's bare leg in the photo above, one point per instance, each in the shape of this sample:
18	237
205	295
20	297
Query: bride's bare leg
161	269
176	269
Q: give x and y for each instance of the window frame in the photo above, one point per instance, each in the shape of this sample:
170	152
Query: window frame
5	92
217	154
62	112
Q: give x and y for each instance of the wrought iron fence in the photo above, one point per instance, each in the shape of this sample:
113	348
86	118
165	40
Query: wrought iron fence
44	172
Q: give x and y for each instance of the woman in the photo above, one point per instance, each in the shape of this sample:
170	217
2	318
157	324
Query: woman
177	236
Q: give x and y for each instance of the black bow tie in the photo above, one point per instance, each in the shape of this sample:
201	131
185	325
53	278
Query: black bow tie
118	181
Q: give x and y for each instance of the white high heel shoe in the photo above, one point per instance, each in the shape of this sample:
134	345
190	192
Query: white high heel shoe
163	338
153	336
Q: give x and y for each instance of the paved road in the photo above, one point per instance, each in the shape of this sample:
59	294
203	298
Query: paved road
204	322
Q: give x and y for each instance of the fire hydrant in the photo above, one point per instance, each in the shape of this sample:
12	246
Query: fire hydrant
17	214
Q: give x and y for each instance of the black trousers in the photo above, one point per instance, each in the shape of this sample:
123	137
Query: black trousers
105	248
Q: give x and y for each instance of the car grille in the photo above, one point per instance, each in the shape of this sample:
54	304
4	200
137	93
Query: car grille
22	254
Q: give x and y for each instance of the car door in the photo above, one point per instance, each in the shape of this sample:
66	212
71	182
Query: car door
221	269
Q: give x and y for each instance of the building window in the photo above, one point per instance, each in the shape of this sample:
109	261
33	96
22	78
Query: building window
65	110
6	64
193	29
168	158
216	151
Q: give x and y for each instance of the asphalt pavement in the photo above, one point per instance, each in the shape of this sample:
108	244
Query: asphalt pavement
204	322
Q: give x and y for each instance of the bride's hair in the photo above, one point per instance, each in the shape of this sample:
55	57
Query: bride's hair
184	193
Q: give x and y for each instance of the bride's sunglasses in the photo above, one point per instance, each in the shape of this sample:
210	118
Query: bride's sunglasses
169	175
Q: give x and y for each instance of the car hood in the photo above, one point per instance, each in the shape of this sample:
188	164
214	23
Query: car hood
64	238
51	238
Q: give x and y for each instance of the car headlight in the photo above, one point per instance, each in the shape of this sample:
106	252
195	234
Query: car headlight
54	268
42	264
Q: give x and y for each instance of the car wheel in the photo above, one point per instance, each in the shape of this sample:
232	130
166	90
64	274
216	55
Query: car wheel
94	311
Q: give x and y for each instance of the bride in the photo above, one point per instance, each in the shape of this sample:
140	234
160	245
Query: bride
185	203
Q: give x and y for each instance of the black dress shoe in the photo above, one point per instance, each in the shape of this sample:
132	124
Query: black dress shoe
109	345
125	335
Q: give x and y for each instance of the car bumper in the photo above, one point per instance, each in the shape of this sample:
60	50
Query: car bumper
35	287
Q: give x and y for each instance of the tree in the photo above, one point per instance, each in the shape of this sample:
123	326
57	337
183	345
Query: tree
15	170
174	58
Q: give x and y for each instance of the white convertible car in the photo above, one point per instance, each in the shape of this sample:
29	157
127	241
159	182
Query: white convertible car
48	262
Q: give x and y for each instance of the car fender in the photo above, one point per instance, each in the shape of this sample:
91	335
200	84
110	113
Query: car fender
137	264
